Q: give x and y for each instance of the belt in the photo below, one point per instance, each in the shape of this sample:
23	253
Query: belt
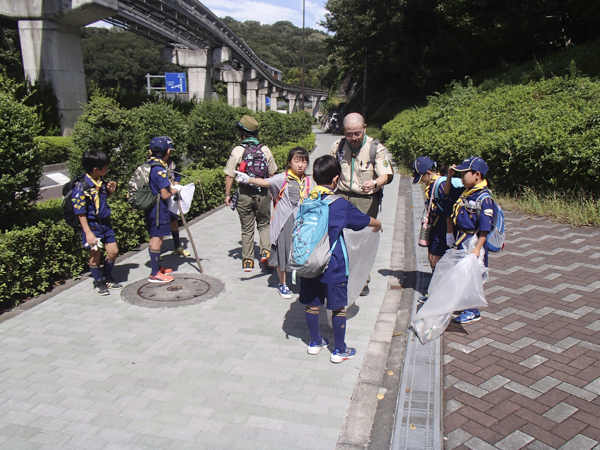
353	194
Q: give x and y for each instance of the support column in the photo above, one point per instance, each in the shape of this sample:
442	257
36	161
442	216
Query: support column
233	78
274	97
197	62
262	99
292	106
315	104
52	51
251	100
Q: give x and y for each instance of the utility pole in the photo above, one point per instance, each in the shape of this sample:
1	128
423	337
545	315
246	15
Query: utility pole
302	72
364	102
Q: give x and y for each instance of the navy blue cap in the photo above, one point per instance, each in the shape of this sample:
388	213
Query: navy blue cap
159	144
473	163
169	142
420	166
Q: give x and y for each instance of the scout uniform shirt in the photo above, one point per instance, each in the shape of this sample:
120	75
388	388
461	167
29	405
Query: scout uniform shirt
159	179
95	206
236	158
358	169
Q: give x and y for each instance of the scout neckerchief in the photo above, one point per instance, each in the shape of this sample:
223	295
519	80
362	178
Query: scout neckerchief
162	163
314	194
429	187
95	192
430	194
466	193
251	141
354	153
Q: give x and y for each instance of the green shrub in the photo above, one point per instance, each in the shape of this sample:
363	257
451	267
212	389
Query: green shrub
280	153
106	126
161	119
21	159
54	149
544	135
213	186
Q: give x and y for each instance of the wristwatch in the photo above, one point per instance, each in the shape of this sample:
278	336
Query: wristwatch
374	184
227	195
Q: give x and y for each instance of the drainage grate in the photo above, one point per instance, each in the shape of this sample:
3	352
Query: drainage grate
188	289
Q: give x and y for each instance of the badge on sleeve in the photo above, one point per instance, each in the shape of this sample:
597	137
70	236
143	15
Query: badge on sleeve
385	163
488	212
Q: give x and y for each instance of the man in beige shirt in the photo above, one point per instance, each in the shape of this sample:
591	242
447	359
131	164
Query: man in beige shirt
365	168
253	204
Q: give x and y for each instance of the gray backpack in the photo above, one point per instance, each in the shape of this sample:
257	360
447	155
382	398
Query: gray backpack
139	194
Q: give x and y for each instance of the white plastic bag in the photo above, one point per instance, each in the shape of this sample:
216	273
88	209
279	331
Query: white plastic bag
362	249
186	194
457	284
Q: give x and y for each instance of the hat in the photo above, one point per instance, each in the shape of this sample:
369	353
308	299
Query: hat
159	144
473	163
420	166
169	142
248	123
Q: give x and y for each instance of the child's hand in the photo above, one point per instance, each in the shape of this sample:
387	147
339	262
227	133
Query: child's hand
377	227
91	239
476	251
111	187
451	170
242	177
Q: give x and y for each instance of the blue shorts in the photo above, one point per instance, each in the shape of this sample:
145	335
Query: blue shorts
174	217
314	293
104	232
437	241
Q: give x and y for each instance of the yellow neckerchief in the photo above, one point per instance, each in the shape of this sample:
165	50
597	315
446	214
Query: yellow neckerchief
303	182
430	186
162	163
314	194
466	193
95	192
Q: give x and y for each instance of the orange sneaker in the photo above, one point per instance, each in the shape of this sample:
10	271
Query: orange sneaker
160	278
165	270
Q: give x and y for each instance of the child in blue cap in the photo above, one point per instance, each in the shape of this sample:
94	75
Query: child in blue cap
428	172
472	215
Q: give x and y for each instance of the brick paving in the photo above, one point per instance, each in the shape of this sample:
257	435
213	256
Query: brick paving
528	374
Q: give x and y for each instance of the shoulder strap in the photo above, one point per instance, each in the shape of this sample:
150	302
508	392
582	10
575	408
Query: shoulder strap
436	185
373	151
340	148
485	194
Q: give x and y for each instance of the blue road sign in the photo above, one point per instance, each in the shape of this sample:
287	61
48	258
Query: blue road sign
268	102
175	82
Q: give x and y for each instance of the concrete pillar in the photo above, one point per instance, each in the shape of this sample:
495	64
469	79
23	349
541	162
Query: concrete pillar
251	98
274	97
52	51
315	104
197	62
292	106
233	78
262	102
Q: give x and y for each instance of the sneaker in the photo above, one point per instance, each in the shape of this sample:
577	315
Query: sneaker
423	298
112	284
338	357
365	291
314	348
284	291
165	270
160	278
181	251
248	265
100	287
467	316
264	258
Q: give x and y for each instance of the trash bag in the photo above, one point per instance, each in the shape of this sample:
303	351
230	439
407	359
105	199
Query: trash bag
457	284
186	194
362	249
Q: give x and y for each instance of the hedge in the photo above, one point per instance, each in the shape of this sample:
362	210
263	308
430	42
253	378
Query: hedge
543	135
54	149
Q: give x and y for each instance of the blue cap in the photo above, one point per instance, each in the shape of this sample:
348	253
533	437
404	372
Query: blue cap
473	163
159	144
169	142
420	166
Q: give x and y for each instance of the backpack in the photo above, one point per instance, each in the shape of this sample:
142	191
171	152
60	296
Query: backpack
254	161
311	249
67	205
495	238
139	194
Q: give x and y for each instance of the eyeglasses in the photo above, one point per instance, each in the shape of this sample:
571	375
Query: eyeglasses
355	134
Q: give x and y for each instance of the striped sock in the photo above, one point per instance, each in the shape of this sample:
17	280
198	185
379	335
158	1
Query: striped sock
108	268
312	321
339	329
154	260
95	270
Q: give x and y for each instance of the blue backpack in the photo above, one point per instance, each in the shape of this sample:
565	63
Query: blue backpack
495	238
311	249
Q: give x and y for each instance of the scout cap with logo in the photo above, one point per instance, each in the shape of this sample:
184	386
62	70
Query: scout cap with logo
247	123
170	142
420	166
473	163
159	145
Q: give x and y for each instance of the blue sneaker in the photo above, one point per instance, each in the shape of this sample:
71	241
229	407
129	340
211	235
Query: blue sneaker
314	348
467	316
284	291
338	357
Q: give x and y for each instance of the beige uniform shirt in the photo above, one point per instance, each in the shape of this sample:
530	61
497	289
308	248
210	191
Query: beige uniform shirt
358	170
236	158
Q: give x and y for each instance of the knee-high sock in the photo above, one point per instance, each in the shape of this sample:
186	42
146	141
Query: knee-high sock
312	321
95	270
154	259
175	235
339	329
108	268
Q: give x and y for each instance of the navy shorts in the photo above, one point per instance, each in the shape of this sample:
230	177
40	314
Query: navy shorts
437	241
314	293
103	232
173	217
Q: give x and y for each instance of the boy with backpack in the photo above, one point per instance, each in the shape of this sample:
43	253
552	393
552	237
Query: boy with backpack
332	284
472	214
256	160
89	200
158	216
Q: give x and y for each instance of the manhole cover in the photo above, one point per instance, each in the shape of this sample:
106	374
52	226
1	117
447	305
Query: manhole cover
185	290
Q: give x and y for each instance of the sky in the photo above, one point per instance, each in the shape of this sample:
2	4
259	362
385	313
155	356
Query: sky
267	11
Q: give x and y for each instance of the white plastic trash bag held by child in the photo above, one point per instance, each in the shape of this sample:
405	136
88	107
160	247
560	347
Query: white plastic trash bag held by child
362	249
186	194
457	284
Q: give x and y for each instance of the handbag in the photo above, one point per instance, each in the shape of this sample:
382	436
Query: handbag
425	231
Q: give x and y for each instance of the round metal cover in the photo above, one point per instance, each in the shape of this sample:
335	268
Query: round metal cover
185	290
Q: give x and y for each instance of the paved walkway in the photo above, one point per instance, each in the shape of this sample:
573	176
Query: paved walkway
88	372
